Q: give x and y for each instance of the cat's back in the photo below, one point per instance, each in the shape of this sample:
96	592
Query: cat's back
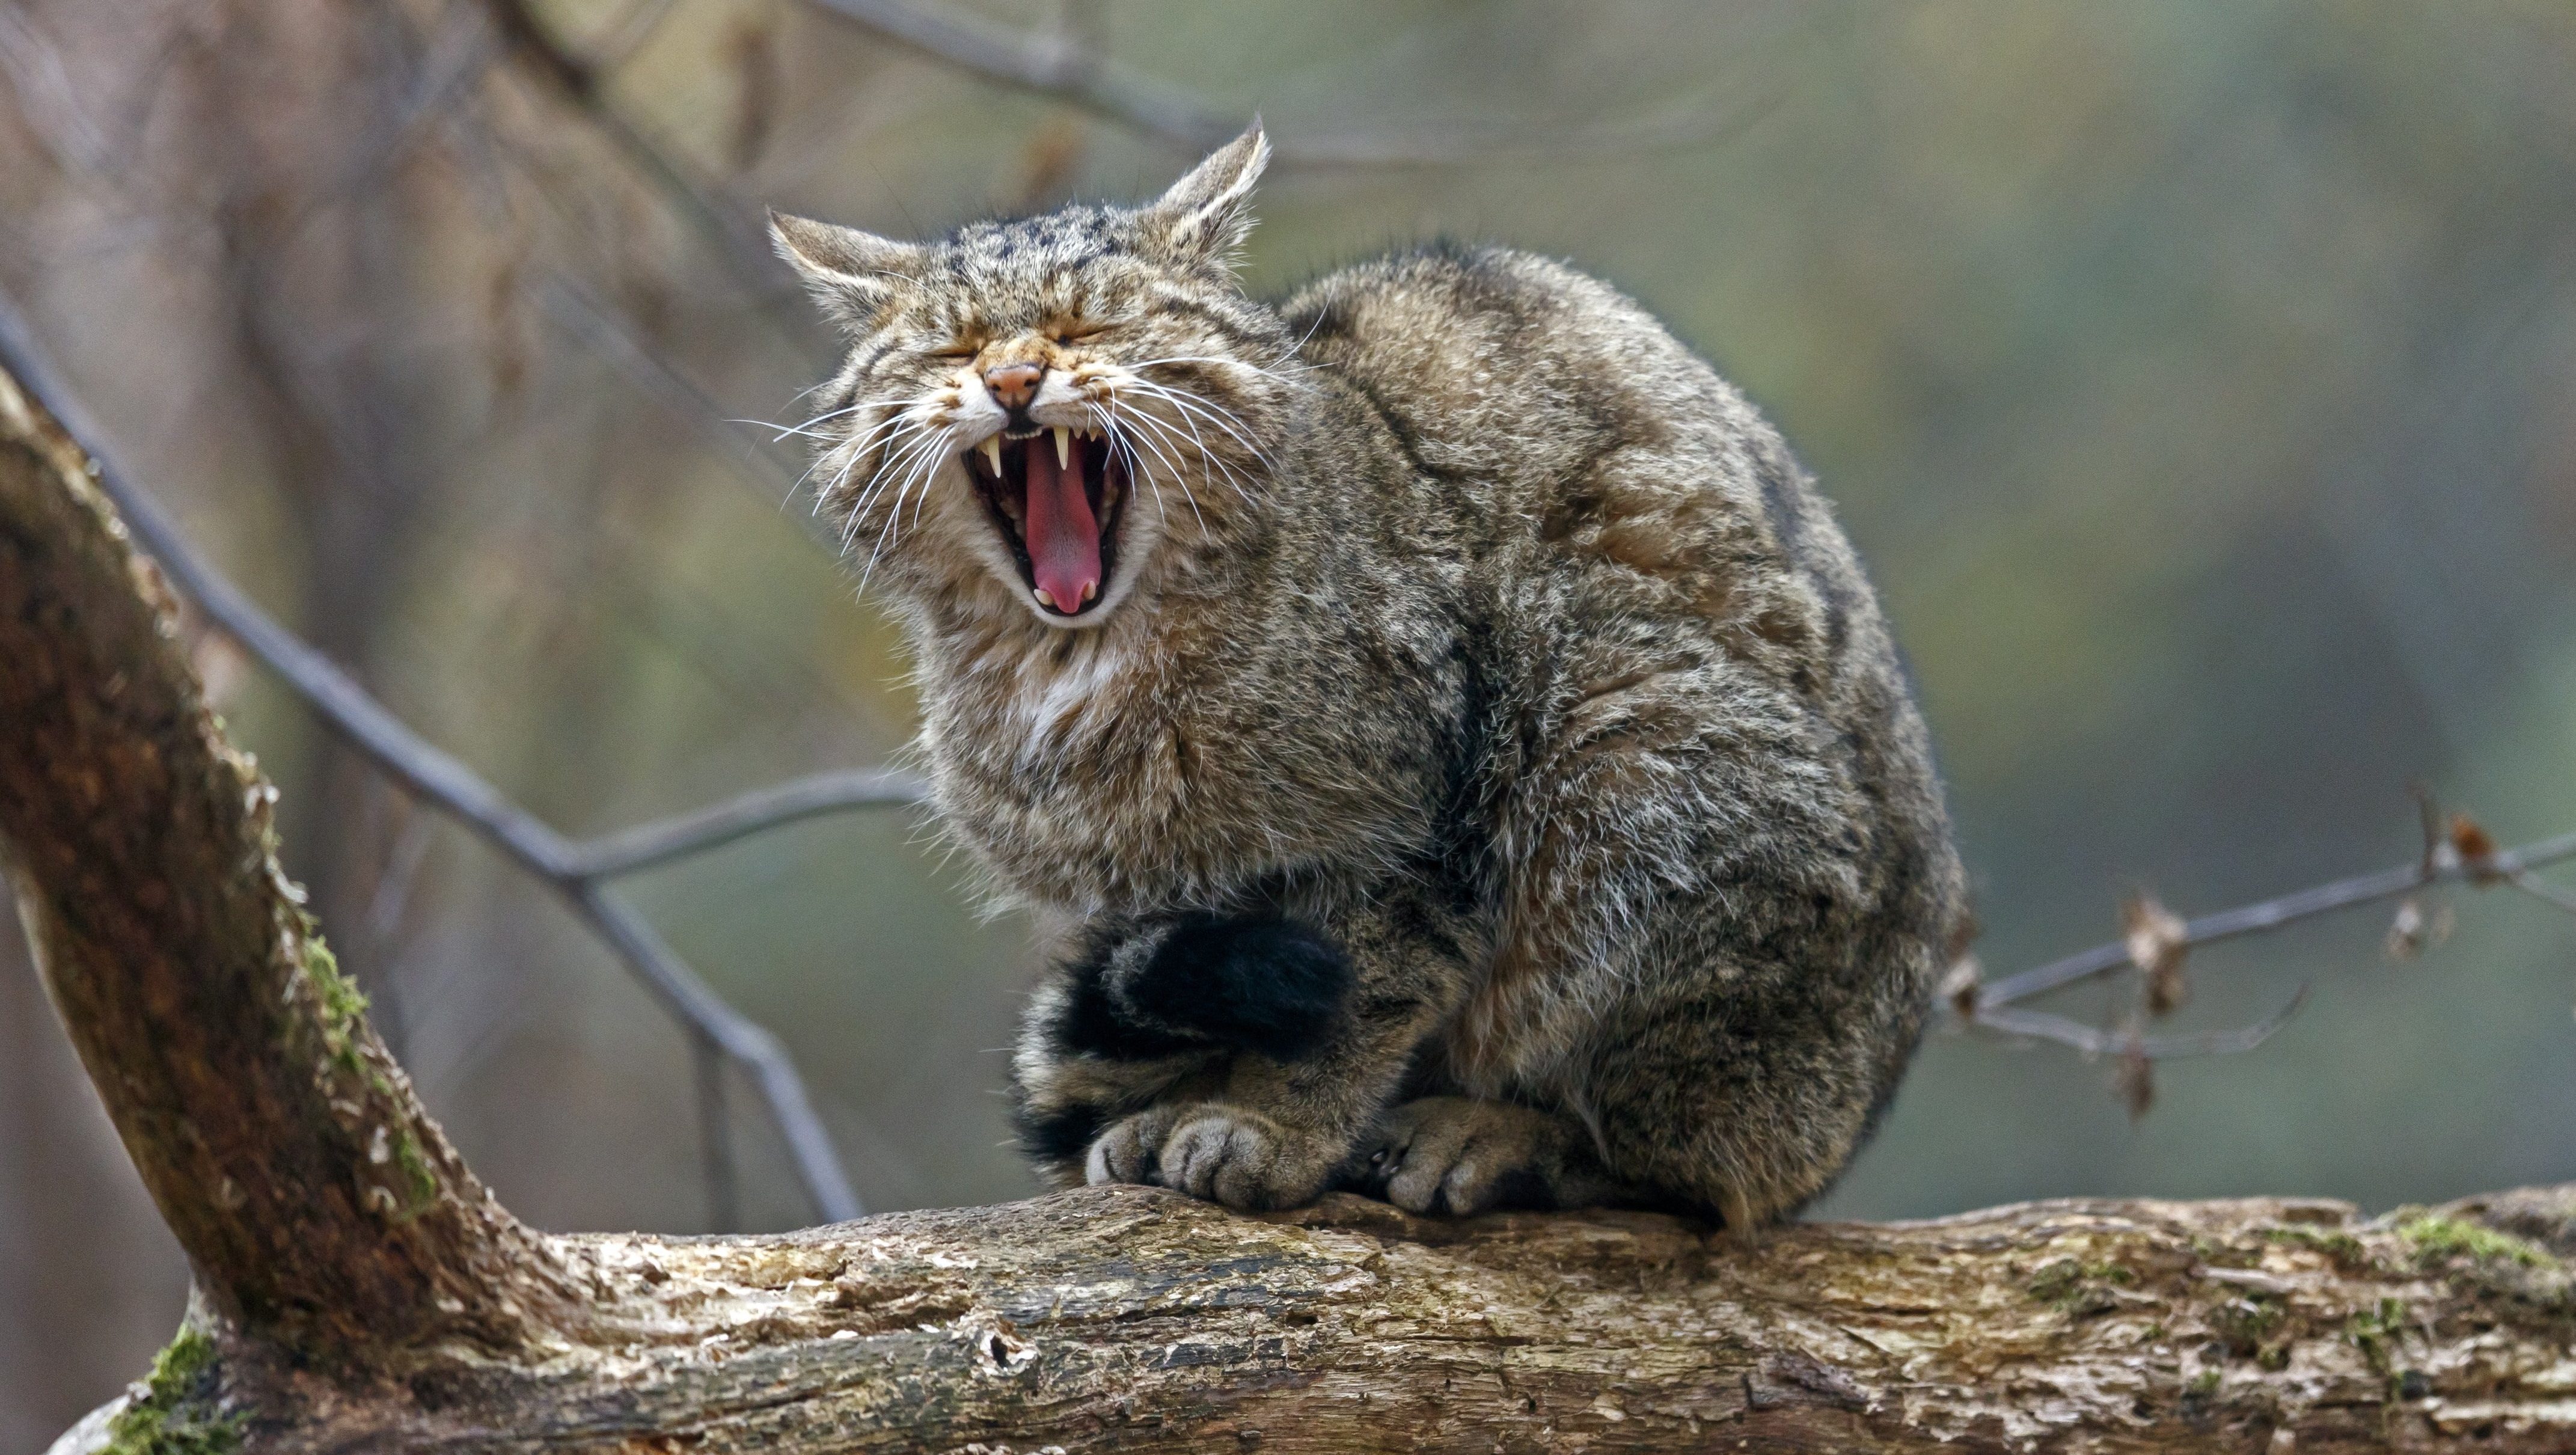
1579	433
1495	363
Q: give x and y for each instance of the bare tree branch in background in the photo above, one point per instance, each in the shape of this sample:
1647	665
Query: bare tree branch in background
603	329
2456	851
741	239
1055	64
576	872
754	812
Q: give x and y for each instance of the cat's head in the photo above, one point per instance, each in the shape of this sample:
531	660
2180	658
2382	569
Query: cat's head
1053	413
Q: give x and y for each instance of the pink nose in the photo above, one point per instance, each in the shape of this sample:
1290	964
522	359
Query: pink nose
1014	385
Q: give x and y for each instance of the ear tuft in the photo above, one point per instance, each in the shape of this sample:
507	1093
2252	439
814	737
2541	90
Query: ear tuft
853	274
1204	218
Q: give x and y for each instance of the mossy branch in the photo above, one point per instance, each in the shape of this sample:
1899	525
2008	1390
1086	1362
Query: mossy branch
321	1208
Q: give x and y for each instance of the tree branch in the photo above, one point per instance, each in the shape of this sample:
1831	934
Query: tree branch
443	781
1057	66
761	809
740	238
1050	65
2095	1041
2442	867
321	1209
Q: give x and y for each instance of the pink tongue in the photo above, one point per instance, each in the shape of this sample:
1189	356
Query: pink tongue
1063	537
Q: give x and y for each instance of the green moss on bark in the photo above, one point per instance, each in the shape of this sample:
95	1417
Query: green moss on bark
344	1006
176	1412
2434	1237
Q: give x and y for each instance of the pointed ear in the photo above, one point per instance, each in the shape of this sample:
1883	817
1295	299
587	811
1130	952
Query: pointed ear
853	274
1203	219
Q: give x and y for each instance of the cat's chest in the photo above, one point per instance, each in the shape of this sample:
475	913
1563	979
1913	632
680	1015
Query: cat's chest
1052	724
1066	774
1110	777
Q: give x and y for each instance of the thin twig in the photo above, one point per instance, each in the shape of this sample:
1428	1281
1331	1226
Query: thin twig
715	1126
599	326
442	780
663	840
1054	64
2095	1041
2532	884
2271	914
1045	63
578	81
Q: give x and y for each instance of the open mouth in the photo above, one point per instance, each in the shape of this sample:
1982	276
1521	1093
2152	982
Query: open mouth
1054	494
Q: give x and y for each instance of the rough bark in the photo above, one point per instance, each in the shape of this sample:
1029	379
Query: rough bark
358	1288
319	1205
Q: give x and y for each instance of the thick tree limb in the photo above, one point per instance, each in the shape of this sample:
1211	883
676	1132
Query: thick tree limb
575	871
319	1205
359	1290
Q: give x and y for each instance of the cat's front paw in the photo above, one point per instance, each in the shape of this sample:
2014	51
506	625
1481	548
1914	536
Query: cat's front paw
1247	1161
1451	1154
1222	1153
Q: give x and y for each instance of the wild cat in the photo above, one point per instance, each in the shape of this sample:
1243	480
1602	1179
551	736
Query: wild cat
1458	752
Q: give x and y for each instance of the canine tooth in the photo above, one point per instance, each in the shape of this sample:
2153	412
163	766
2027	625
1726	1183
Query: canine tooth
992	448
1043	598
1063	448
1089	590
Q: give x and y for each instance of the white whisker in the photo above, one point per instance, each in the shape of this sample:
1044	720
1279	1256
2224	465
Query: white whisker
807	429
924	465
1206	456
892	457
898	462
1214	414
1208	459
1244	364
1117	438
1180	477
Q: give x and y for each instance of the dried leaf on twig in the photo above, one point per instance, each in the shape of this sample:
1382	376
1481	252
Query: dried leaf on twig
2157	942
2415	929
2136	1077
2476	848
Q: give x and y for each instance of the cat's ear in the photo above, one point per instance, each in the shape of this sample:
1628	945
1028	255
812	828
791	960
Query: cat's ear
853	274
1202	220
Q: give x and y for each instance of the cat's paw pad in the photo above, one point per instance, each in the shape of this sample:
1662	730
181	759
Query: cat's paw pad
1246	1161
1448	1154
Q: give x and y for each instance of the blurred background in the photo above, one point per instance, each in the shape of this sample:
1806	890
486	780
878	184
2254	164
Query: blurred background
2199	379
